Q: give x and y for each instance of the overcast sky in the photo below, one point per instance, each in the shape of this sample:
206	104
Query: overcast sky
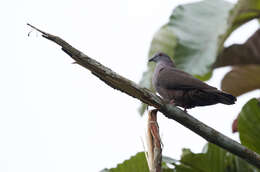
56	116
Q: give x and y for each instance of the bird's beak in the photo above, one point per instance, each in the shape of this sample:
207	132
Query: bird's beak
151	59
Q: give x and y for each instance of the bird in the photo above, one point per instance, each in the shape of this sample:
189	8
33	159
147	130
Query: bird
182	89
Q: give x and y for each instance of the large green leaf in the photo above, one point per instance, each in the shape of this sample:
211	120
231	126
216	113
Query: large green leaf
236	164
241	79
201	29
198	27
249	125
136	163
213	159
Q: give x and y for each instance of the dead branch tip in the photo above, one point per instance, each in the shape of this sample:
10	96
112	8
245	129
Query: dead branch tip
44	33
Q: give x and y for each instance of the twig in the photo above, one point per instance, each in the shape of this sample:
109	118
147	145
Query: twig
146	96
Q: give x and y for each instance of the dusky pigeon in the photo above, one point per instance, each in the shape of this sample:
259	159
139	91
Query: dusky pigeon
182	89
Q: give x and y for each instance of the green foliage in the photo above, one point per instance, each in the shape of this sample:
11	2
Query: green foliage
198	28
213	159
236	164
136	163
249	125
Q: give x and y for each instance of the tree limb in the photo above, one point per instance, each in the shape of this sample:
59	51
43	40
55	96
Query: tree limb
146	96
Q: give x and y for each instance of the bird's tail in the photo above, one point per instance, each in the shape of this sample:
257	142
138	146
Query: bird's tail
226	98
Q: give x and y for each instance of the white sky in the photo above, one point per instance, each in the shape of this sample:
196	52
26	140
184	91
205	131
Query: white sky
56	116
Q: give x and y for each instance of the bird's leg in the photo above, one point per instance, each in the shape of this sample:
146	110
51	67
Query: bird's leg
185	109
173	103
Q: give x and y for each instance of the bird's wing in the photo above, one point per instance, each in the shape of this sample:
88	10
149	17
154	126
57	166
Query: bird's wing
173	78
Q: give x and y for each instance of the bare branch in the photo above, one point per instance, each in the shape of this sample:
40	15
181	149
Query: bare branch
146	96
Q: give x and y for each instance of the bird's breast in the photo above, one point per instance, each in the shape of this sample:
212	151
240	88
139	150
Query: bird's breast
156	76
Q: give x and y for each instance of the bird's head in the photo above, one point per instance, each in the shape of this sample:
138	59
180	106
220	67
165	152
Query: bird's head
161	57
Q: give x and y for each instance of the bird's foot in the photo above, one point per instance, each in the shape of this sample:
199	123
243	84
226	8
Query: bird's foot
185	110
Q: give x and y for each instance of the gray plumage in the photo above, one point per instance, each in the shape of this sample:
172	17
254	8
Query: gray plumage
181	88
